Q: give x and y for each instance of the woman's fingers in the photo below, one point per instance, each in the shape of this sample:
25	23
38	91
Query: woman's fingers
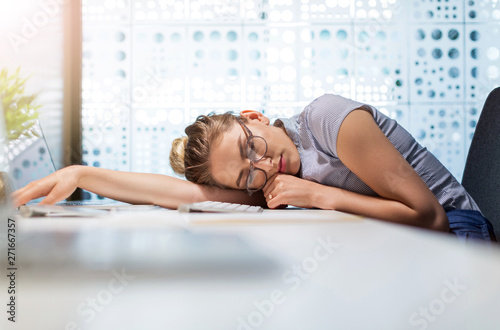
269	186
272	194
273	191
56	187
33	190
20	196
283	189
58	192
24	196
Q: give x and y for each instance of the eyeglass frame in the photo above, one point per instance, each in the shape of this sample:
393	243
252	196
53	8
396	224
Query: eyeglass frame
252	167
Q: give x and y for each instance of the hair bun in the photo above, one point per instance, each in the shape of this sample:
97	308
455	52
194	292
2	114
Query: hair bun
177	155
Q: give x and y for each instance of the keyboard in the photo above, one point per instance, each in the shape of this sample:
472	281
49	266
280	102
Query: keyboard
218	207
107	202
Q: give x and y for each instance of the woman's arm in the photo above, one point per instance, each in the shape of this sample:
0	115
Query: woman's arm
380	208
130	187
365	150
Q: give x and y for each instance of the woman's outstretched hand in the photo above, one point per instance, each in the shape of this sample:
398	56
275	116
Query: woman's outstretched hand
285	189
56	187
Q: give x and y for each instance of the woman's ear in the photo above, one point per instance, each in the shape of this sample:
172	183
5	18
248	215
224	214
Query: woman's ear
255	115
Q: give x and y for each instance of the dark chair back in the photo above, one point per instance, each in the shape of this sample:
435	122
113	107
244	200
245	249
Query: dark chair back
481	176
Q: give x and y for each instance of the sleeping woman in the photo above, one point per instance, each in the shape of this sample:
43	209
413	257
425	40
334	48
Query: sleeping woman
337	154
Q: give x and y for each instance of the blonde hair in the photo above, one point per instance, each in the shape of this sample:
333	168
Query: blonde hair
190	155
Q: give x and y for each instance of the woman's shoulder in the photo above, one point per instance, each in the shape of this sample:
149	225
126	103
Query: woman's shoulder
327	98
329	107
321	119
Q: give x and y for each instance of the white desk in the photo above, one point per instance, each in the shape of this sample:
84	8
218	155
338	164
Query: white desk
271	271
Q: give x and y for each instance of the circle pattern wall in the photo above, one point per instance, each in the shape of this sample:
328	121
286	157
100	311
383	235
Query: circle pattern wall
151	66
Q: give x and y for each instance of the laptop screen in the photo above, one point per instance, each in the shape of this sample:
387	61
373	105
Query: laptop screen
29	159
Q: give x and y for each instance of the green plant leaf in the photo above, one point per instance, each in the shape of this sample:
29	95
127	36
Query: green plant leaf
19	109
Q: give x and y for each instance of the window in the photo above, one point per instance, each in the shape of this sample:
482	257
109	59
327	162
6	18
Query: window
32	37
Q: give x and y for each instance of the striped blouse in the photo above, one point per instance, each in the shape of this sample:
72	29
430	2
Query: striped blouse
314	132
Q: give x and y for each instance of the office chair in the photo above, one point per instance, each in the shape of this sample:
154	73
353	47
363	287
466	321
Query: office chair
481	176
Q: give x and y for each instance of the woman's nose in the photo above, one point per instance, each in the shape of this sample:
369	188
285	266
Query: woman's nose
264	164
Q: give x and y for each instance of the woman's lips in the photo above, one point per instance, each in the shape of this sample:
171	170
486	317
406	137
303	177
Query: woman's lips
282	165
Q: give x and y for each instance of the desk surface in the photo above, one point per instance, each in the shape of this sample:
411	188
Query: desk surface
283	269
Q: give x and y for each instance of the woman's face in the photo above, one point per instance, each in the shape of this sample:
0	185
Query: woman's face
230	165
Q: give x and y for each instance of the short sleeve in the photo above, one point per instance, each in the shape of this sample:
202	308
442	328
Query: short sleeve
324	116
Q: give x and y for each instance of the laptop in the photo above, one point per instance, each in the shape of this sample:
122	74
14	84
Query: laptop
30	160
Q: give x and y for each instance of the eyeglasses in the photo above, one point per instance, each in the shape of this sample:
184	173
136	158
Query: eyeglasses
255	150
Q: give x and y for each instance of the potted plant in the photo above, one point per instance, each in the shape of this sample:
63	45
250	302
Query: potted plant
18	116
19	112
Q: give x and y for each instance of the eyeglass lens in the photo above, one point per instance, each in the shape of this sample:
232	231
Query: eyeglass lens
256	150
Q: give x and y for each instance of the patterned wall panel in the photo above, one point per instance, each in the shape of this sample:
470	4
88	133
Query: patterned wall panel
152	66
214	64
380	11
106	106
437	11
482	11
381	69
105	12
107	136
159	68
151	143
440	127
437	65
482	64
158	11
255	40
327	61
325	11
281	67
